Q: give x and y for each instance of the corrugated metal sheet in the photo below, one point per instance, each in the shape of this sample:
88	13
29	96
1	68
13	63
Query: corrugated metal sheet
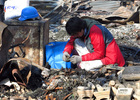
109	6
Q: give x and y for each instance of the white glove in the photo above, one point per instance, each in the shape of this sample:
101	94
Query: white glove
75	59
66	56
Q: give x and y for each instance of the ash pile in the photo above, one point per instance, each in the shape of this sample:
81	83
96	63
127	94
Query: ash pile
21	79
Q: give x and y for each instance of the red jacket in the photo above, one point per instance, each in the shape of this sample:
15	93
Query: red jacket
101	45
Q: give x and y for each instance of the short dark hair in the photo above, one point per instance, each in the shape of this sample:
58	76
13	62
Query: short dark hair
74	25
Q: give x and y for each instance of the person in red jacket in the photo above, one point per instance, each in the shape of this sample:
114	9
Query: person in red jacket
94	44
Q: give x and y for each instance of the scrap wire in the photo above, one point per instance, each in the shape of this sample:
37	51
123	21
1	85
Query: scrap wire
51	11
59	88
29	74
68	4
67	96
46	91
14	71
76	8
137	52
54	78
26	37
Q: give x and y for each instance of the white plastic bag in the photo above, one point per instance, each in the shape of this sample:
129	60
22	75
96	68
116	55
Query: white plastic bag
13	8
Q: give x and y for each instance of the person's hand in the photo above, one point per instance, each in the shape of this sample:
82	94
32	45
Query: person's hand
66	56
75	59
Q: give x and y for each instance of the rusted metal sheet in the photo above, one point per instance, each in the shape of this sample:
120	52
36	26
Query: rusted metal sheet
122	15
37	39
6	37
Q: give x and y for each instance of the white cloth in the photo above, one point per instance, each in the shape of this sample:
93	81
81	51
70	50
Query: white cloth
82	50
90	65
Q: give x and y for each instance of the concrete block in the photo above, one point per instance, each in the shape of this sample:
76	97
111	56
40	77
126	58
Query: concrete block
124	93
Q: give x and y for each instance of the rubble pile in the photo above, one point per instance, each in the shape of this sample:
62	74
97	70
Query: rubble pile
61	83
74	84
